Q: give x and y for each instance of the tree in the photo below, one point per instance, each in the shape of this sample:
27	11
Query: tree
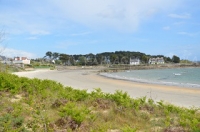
99	58
113	58
144	59
124	60
90	58
168	59
64	58
49	54
82	60
95	62
55	55
175	59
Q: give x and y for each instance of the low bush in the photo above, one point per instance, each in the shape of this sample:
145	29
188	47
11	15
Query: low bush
77	113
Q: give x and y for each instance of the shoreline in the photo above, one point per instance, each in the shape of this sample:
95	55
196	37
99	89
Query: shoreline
89	79
136	80
171	87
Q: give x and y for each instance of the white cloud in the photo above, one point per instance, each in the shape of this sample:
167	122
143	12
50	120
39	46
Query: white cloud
80	34
182	16
32	38
65	44
42	17
39	32
12	53
179	23
188	34
117	14
166	28
24	18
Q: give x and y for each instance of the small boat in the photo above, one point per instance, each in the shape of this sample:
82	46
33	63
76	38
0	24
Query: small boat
177	74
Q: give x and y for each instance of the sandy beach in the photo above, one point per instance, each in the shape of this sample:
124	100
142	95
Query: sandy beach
89	79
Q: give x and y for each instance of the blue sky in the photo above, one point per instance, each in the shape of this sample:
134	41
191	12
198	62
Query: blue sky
166	27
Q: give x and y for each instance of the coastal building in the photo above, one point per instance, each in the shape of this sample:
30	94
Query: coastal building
5	60
152	61
158	60
134	61
21	60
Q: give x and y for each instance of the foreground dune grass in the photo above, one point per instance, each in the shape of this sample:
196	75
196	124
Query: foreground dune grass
45	105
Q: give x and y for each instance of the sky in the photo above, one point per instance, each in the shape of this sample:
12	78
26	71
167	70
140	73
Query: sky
156	27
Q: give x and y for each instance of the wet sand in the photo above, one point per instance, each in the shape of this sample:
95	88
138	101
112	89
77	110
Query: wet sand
89	79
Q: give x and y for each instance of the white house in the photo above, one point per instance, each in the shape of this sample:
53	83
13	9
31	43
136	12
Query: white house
134	61
21	60
160	60
156	60
152	61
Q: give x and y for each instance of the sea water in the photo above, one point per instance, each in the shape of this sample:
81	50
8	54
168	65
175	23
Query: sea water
186	77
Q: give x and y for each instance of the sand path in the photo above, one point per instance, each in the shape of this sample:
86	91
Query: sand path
88	79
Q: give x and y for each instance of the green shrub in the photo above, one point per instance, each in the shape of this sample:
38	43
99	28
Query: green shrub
73	94
77	113
97	93
122	98
10	123
128	129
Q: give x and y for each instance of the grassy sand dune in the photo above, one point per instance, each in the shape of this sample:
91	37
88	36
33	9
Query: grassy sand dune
44	105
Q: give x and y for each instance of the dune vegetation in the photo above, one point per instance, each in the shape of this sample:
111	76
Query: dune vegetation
45	105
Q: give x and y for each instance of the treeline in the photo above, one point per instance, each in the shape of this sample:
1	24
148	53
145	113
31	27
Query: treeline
117	57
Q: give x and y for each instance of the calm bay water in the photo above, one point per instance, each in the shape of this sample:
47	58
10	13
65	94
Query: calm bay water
187	77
